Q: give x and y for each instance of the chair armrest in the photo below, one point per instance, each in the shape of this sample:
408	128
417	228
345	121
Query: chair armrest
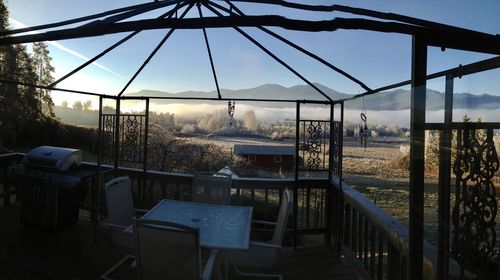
140	211
265	244
209	266
115	226
266	223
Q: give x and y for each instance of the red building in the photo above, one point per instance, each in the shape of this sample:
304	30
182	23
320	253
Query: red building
267	157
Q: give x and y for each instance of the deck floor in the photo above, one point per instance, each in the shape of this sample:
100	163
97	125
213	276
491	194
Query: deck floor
28	252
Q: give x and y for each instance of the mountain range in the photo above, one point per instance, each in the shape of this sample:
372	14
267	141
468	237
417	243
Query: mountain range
390	100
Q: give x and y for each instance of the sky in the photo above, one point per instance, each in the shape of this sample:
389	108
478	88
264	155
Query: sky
182	64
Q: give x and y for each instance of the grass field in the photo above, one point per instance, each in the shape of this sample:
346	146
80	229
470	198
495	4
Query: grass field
373	172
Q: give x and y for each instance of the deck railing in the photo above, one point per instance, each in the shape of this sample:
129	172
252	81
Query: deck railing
7	188
377	242
367	234
151	186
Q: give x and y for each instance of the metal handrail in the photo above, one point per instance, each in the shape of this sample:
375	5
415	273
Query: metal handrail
395	232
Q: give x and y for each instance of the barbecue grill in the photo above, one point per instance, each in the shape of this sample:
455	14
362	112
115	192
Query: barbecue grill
50	181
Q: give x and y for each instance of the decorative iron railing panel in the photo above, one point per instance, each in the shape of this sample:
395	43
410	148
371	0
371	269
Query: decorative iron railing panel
314	143
108	137
131	138
474	242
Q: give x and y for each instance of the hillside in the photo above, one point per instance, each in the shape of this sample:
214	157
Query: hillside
390	100
385	101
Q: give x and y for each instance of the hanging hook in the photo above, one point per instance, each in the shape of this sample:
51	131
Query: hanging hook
363	130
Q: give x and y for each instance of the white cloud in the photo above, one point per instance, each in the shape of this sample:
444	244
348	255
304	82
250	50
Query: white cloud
17	24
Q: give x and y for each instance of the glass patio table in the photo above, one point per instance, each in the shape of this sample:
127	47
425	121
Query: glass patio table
220	226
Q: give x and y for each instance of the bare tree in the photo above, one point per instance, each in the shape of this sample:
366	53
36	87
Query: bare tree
87	105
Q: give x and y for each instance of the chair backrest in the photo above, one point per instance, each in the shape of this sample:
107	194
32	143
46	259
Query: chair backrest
212	188
166	250
119	201
281	223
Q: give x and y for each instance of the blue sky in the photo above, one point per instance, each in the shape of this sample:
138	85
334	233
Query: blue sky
182	64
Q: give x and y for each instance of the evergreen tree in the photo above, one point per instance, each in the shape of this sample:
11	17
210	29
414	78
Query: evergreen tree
22	107
28	106
44	70
8	92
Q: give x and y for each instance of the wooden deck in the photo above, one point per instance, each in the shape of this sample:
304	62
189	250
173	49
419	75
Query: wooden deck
72	253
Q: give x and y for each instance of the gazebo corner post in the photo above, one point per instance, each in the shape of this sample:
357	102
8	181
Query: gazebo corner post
297	165
117	133
341	201
445	163
97	181
145	153
417	156
329	190
99	134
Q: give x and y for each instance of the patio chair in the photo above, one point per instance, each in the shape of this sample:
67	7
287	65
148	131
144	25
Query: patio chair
212	188
121	212
263	254
170	251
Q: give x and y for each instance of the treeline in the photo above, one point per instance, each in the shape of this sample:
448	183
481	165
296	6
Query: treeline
27	113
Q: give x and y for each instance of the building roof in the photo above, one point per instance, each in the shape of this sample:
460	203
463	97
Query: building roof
263	150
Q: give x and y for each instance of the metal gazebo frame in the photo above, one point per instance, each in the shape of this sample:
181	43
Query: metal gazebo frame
228	15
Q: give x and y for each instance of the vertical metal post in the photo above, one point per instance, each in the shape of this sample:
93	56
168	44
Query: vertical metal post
99	135
96	186
146	132
340	200
145	152
330	155
341	142
417	148
117	132
329	191
445	163
297	163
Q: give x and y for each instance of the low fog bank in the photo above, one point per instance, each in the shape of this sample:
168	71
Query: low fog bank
400	118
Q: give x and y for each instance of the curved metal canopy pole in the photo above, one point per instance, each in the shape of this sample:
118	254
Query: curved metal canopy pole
272	55
53	88
125	39
447	38
86	18
293	45
462	70
306	7
363	12
169	33
198	5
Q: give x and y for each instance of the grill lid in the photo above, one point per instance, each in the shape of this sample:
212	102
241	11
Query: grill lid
52	158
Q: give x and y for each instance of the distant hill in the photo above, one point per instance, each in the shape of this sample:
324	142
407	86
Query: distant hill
384	101
267	91
390	100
